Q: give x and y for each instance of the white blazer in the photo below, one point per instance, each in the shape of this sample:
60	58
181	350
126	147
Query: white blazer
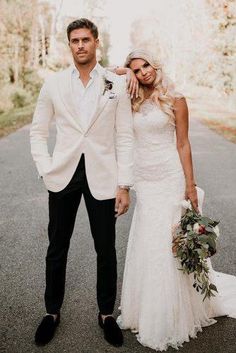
107	143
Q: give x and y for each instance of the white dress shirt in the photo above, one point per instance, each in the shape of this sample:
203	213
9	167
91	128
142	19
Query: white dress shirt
86	98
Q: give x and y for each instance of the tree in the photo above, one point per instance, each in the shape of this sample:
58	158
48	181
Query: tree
94	10
223	14
25	37
195	40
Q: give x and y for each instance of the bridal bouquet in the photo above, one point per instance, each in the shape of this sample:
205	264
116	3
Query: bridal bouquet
194	240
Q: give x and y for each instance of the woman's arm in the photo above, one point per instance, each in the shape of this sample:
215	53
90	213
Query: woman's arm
184	149
132	82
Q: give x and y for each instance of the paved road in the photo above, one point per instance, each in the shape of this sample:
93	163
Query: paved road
23	236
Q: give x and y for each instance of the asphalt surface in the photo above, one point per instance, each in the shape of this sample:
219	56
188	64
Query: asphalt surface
23	237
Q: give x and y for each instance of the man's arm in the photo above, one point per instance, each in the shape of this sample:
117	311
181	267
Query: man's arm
124	149
40	130
131	79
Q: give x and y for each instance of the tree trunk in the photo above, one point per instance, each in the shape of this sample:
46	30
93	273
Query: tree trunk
16	60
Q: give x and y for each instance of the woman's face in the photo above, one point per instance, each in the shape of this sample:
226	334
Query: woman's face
144	72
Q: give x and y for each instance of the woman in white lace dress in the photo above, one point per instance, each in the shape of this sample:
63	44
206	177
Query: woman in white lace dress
158	301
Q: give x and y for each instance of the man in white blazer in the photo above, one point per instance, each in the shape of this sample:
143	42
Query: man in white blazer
93	157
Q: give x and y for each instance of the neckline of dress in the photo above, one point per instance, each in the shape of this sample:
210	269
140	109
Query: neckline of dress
149	101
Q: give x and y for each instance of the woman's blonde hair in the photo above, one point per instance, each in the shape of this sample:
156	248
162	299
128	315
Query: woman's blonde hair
164	93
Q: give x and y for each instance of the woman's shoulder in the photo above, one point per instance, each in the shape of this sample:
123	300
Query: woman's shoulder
181	110
180	102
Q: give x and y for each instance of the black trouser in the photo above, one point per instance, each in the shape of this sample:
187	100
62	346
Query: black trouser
63	207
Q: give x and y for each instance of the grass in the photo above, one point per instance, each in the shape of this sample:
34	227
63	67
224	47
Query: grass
225	127
14	119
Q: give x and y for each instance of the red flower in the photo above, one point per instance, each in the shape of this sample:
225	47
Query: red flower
201	229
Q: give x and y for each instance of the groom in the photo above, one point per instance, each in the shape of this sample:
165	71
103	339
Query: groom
92	157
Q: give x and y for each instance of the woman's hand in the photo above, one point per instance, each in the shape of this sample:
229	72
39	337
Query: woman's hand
131	80
132	84
191	194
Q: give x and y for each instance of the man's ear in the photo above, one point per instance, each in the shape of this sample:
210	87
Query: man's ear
97	42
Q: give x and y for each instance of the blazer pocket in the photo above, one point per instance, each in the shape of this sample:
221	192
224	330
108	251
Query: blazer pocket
111	104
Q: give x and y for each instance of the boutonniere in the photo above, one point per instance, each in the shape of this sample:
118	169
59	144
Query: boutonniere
108	85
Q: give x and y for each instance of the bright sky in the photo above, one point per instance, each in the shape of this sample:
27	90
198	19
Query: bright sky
120	16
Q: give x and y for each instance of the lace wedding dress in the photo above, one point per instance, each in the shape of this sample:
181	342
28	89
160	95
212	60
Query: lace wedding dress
158	301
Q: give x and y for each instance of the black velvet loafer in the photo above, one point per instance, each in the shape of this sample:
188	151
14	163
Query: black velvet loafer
112	332
46	330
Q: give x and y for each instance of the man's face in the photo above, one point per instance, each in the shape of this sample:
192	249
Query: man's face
83	46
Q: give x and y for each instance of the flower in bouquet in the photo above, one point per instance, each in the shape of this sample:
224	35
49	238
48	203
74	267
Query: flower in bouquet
194	240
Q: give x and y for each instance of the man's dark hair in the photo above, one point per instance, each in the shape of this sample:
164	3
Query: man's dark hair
82	23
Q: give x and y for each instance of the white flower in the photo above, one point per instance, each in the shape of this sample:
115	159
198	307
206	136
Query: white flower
186	204
196	228
216	230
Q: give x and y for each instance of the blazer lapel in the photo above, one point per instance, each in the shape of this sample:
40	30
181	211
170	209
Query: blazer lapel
102	101
68	99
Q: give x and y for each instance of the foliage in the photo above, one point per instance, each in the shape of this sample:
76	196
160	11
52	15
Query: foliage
15	118
32	82
15	96
104	48
20	98
24	38
223	25
194	241
6	92
94	10
195	40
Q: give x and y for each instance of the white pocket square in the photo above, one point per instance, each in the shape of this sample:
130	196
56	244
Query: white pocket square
112	95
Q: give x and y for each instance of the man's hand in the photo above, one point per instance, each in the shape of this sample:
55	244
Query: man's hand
122	202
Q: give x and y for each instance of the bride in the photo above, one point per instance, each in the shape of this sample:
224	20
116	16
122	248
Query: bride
158	301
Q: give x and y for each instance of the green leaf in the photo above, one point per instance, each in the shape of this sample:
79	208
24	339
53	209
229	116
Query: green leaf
215	223
212	243
213	287
206	296
203	238
206	220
